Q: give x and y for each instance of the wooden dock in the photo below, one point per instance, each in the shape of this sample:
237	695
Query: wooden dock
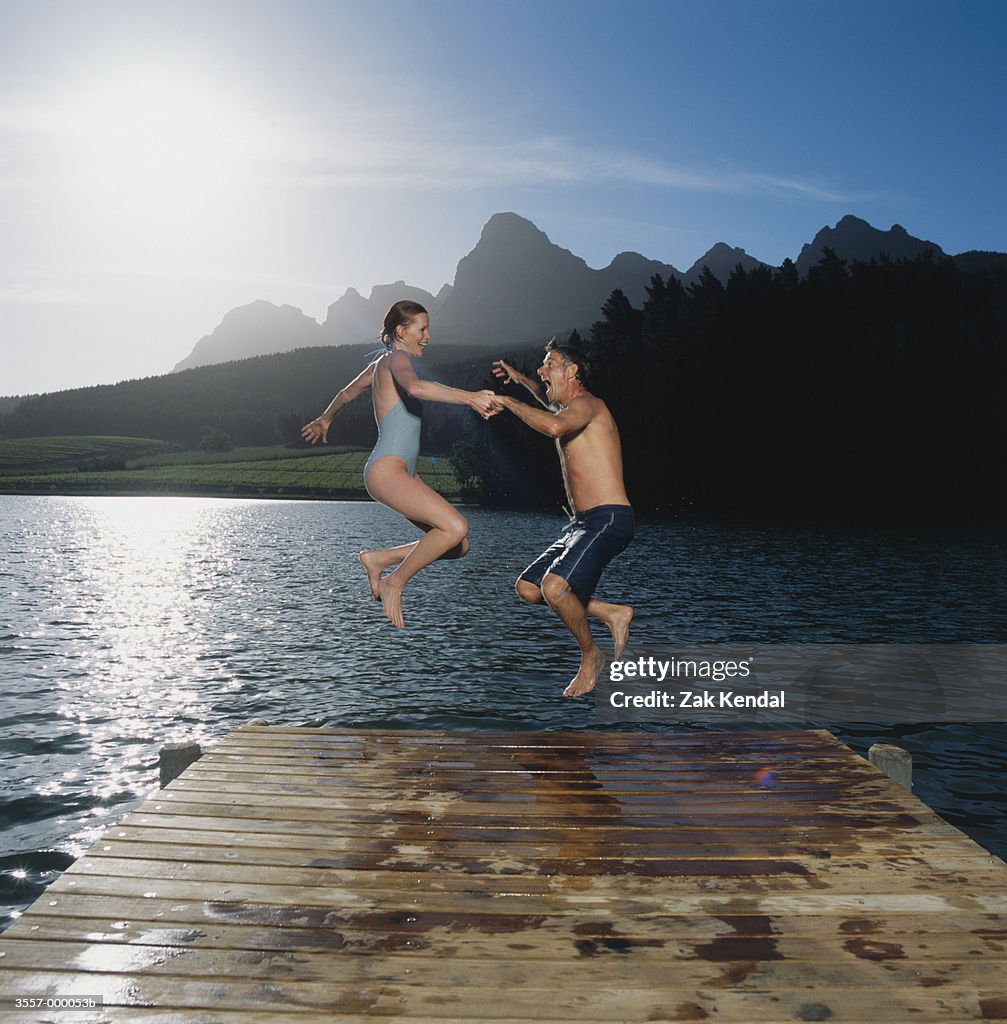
302	875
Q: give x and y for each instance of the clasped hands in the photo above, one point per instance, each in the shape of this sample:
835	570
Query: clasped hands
487	403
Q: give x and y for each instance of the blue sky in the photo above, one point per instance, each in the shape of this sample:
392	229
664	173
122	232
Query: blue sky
161	163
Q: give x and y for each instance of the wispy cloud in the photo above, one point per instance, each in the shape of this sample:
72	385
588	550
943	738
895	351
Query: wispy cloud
533	163
90	285
49	295
369	149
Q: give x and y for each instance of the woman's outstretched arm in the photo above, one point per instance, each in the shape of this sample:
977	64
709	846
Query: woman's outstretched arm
318	429
401	366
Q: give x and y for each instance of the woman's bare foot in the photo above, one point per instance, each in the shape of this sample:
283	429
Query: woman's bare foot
369	560
591	664
391	601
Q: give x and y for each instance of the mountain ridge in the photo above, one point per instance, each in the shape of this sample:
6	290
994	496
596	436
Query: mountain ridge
516	285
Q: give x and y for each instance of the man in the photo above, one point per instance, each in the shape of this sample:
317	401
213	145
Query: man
602	523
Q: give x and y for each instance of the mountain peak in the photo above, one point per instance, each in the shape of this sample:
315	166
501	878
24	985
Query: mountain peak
722	259
517	283
510	224
855	239
508	238
850	221
257	328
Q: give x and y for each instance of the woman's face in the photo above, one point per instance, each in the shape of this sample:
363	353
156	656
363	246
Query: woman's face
415	335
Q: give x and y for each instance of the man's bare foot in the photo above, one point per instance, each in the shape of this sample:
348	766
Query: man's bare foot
584	681
619	625
368	559
391	601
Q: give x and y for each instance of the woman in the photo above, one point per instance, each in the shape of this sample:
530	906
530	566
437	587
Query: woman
390	473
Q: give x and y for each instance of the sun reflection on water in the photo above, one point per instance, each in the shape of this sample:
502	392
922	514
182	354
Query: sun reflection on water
117	628
138	587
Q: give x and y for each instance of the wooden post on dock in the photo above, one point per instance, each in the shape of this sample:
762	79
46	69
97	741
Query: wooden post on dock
895	762
175	758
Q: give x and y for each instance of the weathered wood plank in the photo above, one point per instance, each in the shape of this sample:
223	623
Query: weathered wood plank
372	739
658	878
497	832
299	850
451	808
731	937
653	778
531	896
752	997
685	1012
247	772
765	966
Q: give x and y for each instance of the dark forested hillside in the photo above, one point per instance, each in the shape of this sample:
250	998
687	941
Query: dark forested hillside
872	391
261	400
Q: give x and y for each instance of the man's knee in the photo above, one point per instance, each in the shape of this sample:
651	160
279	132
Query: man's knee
528	592
554	588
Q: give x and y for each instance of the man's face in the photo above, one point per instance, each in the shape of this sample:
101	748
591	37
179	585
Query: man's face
553	371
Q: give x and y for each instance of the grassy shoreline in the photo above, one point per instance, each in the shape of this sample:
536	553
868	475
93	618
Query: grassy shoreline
135	466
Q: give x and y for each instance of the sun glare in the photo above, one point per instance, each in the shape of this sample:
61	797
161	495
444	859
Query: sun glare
165	139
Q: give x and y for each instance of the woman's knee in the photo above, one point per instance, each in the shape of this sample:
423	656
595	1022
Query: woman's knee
459	550
457	530
528	592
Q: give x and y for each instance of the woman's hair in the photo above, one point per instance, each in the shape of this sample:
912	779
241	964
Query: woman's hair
398	315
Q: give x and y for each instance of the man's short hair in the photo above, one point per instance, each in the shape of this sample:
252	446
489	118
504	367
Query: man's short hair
571	354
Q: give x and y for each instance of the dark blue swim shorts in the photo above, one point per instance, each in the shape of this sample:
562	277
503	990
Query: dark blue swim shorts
585	547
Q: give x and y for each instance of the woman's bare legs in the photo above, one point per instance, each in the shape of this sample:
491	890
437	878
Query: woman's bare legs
389	482
377	560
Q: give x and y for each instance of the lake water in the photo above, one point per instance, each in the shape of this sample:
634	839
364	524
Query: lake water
129	622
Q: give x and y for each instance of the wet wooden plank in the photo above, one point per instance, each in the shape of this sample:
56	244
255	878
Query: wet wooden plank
761	964
739	937
737	994
305	875
506	875
296	849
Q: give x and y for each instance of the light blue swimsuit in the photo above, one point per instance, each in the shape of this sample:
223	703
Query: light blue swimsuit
398	434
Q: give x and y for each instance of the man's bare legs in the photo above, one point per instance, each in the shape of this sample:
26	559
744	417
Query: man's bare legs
566	604
616	616
389	482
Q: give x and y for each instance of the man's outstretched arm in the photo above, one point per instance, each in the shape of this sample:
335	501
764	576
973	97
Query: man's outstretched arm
573	418
507	373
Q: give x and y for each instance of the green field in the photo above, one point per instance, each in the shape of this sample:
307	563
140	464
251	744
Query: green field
41	466
50	452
